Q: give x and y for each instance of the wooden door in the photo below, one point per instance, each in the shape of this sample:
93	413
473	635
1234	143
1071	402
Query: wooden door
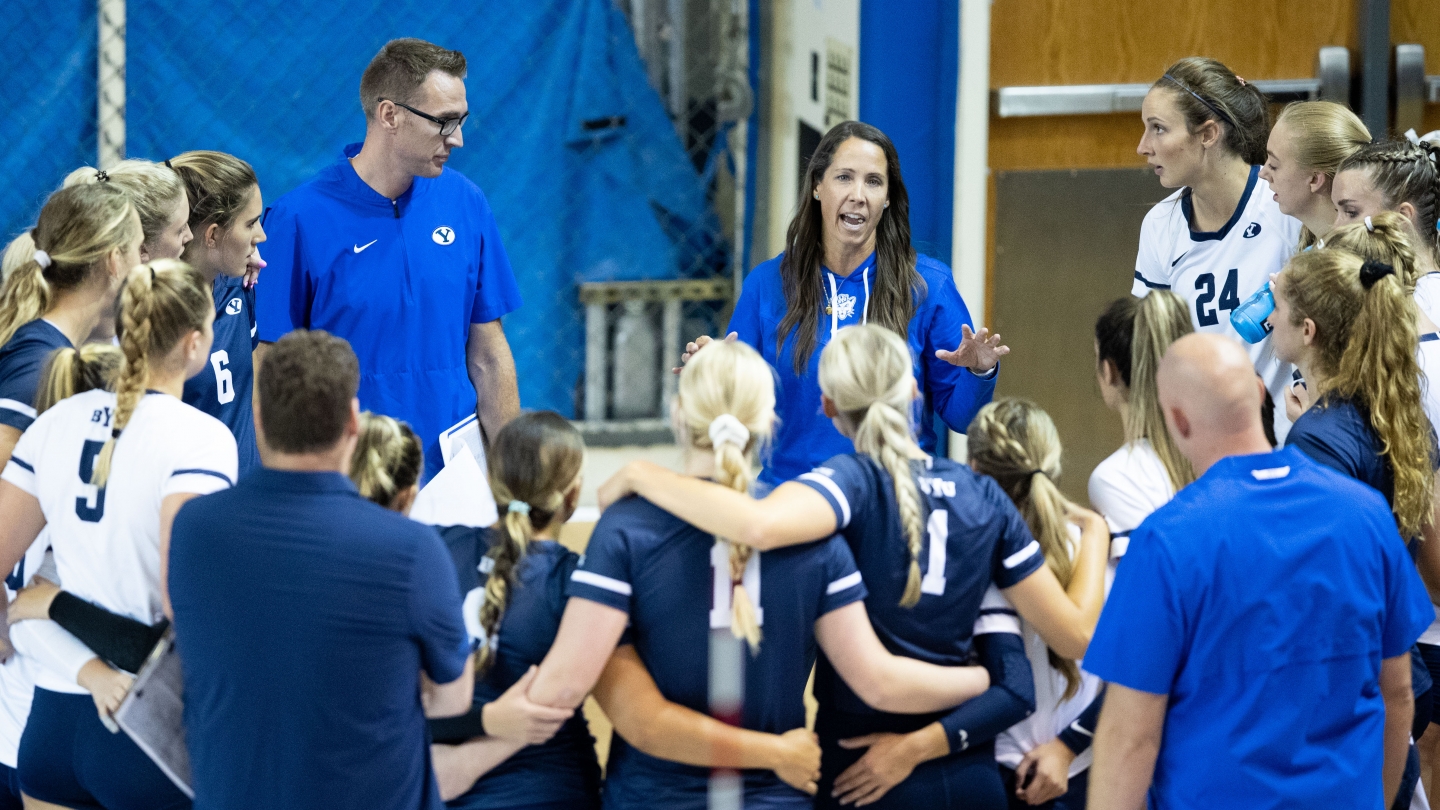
1418	22
1067	193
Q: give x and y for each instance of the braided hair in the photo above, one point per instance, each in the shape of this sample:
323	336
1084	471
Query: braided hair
387	459
534	462
1405	172
1015	442
866	372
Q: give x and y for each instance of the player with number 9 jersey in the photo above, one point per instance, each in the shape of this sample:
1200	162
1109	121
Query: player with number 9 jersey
102	471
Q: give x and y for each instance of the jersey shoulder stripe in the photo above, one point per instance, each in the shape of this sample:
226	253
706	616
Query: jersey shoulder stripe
843	583
601	581
835	492
197	471
22	463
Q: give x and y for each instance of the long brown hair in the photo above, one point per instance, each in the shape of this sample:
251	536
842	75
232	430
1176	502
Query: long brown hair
1015	442
898	285
536	457
1206	90
1365	346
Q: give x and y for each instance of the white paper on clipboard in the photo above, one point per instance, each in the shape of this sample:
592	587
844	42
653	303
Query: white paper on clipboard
153	713
458	495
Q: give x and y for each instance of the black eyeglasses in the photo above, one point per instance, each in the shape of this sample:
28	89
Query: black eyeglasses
447	125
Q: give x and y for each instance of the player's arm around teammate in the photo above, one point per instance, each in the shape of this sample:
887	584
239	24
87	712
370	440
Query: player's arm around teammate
61	277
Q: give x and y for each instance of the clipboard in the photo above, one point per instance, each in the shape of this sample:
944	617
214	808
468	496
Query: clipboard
153	713
459	495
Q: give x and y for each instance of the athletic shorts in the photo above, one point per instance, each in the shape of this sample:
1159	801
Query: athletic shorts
10	789
68	757
962	780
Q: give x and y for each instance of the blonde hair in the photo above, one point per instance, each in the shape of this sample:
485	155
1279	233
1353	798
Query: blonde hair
387	459
160	304
153	188
729	379
78	228
1015	442
534	461
1161	318
74	371
1388	242
1324	135
1365	347
866	372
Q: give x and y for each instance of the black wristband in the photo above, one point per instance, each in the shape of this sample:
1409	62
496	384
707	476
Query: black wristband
119	640
454	730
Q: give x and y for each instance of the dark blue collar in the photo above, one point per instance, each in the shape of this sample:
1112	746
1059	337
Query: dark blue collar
1213	236
303	482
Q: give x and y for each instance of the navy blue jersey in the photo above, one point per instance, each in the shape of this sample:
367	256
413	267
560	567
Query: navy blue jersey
563	770
674	581
223	390
973	536
22	361
401	279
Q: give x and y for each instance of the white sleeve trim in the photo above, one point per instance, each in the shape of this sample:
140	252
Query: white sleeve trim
997	623
835	492
601	581
843	583
17	406
21	477
1023	554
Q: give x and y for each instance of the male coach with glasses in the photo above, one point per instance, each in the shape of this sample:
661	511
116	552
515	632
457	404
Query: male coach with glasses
401	256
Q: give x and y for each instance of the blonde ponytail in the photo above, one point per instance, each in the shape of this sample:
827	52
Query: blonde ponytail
726	405
1161	318
77	230
1015	442
160	304
535	460
866	373
74	371
387	460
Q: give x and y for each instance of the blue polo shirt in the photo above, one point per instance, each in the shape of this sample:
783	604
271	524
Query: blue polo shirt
1261	600
302	629
22	361
224	389
401	279
805	436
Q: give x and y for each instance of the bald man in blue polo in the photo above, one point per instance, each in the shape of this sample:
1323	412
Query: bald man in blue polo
1257	638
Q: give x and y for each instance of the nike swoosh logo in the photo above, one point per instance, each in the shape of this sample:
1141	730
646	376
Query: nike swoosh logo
359	248
1172	264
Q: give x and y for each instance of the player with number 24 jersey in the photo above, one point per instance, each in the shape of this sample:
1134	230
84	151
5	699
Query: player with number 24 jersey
1215	271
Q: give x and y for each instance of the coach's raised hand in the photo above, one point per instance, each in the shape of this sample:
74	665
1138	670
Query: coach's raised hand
696	345
978	351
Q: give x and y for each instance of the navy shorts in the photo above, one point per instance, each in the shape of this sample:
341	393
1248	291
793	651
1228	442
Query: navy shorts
963	780
10	789
68	757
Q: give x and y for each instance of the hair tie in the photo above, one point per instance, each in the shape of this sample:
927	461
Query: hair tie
102	177
168	166
1369	226
1036	472
1240	79
725	428
518	506
152	275
115	433
42	258
1371	272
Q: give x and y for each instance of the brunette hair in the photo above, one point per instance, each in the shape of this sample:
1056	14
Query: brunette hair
218	186
1206	90
305	386
1405	172
898	285
399	69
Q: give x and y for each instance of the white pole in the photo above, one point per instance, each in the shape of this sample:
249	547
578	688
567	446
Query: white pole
110	83
972	134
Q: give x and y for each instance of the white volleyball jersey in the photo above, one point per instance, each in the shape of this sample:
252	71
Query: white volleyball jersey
1053	712
17	680
1427	296
1216	271
107	541
1429	357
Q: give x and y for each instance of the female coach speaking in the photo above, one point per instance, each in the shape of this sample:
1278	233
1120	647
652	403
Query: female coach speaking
848	260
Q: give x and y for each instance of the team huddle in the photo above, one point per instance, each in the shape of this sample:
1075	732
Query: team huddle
204	449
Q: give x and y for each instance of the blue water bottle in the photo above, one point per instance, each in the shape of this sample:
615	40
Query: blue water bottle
1249	319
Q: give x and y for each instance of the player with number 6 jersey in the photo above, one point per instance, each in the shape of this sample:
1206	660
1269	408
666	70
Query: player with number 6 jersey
106	473
225	210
